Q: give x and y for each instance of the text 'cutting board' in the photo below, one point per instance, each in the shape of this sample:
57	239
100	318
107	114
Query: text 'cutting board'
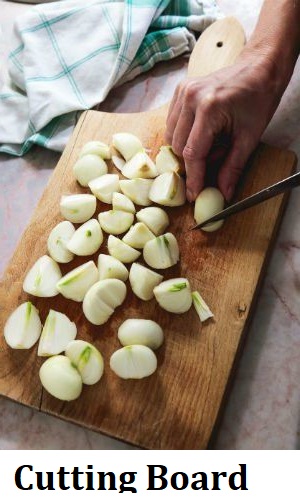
178	406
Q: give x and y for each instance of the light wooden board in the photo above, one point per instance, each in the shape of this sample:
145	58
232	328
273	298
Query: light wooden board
178	406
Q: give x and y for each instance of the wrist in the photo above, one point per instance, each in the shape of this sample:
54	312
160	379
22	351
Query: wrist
275	41
274	67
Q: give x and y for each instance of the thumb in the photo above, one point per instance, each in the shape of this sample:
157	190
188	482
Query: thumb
233	167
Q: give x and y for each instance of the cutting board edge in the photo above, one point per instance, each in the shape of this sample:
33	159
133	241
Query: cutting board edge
67	420
23	403
252	309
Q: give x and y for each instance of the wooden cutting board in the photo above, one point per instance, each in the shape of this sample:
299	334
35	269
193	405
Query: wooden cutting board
178	406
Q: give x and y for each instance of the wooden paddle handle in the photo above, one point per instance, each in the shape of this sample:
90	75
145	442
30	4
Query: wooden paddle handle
217	47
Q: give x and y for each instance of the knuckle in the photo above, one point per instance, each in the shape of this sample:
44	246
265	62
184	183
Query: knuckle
209	101
236	169
189	153
190	91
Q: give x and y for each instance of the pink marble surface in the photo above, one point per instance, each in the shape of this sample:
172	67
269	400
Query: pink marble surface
263	408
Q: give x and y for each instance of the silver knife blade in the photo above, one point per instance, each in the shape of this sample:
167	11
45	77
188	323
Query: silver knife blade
265	194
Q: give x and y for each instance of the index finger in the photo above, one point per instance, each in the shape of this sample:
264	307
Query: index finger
195	154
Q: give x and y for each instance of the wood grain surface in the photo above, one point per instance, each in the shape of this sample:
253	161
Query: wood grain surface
178	406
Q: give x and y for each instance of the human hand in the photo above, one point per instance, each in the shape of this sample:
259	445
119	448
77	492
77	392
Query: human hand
238	102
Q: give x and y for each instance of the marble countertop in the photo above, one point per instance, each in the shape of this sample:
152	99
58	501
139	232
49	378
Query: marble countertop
263	408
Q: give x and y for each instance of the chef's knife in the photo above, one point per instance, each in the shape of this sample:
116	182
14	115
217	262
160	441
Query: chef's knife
265	194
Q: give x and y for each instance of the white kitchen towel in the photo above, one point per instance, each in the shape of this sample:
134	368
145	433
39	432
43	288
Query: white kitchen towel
67	56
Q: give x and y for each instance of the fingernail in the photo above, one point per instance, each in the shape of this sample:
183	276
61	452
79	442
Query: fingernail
229	192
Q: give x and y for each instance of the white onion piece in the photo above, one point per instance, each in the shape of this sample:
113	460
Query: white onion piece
141	332
143	281
127	144
174	295
76	283
104	187
58	240
42	278
96	148
162	252
168	189
87	239
138	235
118	249
111	268
23	327
140	166
155	218
87	360
60	378
208	203
95	309
78	208
88	168
201	308
167	161
133	361
118	162
115	222
102	299
122	203
137	190
57	332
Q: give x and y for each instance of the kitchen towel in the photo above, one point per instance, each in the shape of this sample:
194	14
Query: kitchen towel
67	56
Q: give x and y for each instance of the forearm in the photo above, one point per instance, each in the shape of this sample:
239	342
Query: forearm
275	42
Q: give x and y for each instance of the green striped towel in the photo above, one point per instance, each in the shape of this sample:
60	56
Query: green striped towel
68	55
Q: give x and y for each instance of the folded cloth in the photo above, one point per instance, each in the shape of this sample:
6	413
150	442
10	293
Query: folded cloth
68	55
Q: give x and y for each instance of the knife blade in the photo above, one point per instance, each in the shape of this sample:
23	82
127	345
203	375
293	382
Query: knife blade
265	194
